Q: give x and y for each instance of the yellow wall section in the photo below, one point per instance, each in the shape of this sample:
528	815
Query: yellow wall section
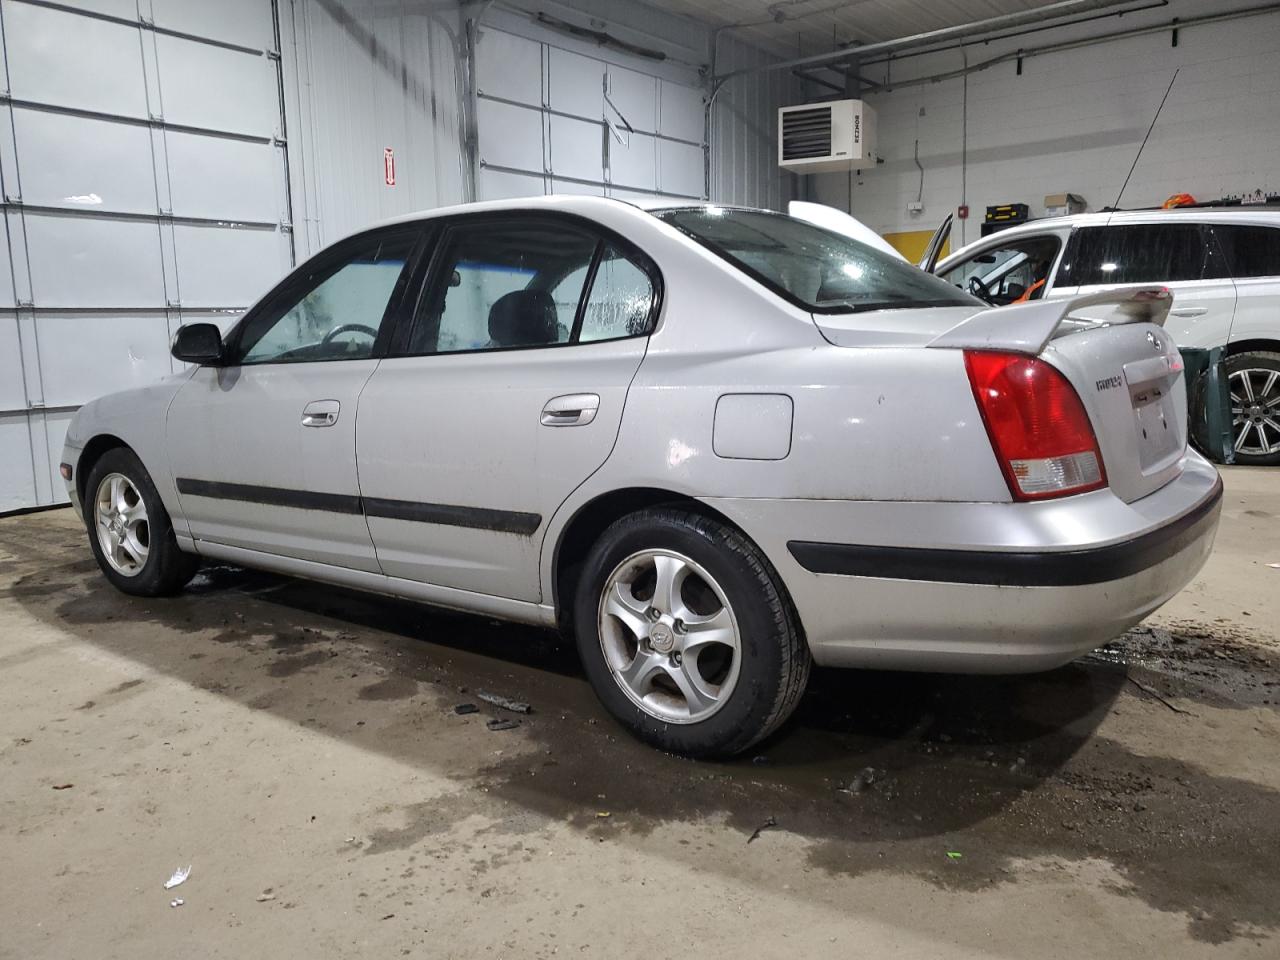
912	243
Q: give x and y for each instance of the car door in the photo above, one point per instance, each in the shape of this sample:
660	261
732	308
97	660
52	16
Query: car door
1179	255
262	447
1009	268
504	394
1253	255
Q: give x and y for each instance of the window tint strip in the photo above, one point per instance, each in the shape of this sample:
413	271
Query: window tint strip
444	514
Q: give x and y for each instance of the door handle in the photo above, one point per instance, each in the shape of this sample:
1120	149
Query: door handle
321	413
571	410
1189	311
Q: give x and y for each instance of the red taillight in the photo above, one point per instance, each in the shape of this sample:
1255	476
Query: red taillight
1041	434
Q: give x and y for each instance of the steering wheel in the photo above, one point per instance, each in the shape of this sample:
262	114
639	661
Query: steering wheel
980	289
348	328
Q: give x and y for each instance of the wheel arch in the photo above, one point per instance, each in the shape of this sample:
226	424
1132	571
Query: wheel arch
91	454
1252	346
591	519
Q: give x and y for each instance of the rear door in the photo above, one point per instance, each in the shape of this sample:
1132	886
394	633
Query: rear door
503	395
1253	255
1179	255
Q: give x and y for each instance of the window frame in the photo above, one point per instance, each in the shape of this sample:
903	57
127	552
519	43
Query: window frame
297	284
430	273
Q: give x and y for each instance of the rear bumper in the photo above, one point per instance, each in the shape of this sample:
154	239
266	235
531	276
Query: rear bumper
984	588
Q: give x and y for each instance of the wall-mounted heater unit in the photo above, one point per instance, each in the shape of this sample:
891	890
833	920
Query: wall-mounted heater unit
822	137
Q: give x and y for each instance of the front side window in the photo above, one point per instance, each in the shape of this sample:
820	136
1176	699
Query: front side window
814	268
1011	273
334	312
507	285
1134	253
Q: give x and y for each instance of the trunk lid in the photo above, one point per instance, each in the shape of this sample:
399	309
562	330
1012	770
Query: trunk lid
1111	346
1126	370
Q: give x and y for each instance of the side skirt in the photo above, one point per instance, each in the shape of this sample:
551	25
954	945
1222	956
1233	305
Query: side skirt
519	611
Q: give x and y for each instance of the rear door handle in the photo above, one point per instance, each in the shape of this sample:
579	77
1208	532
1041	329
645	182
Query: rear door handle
1189	311
321	413
571	410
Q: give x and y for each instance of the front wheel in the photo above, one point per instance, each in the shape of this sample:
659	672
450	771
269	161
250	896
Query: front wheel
130	531
686	634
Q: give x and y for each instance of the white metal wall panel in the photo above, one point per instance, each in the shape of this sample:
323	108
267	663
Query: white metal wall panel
85	164
510	136
634	96
500	185
245	22
62	58
680	169
17	483
12	394
511	68
225	179
635	162
680	111
128	209
567	144
216	88
576	83
220	267
80	341
83	262
577	149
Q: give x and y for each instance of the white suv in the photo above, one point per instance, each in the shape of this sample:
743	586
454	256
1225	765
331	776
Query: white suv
1222	264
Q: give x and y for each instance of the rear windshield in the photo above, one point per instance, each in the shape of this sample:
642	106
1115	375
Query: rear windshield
812	267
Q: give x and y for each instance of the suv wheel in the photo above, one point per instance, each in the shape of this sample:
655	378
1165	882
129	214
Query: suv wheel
130	531
687	635
1254	381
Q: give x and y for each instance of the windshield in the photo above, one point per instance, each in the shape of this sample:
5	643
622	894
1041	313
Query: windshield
815	268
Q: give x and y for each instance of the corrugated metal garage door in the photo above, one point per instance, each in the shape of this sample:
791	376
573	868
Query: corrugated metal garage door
555	121
144	183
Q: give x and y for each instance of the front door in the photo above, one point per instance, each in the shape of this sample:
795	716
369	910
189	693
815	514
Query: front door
262	448
507	393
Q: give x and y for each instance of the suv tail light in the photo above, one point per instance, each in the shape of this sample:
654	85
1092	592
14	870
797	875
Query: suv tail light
1037	424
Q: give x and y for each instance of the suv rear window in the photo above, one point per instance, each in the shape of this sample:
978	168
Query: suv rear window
1251	251
1137	253
814	268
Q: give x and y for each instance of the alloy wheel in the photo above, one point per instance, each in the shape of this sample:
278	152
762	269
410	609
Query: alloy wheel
1255	410
120	520
669	636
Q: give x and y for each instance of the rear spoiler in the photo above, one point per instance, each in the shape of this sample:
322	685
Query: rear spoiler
1028	327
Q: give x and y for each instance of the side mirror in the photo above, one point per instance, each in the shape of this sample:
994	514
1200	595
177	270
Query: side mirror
199	343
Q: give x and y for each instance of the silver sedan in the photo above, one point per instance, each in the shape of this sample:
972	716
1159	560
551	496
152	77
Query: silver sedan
712	444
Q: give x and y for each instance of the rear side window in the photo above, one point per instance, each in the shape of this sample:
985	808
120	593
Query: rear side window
1138	253
1251	251
621	299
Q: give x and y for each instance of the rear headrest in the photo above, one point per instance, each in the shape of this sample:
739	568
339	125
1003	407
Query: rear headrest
523	318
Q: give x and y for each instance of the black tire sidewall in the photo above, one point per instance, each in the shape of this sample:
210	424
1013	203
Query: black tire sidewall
756	608
160	573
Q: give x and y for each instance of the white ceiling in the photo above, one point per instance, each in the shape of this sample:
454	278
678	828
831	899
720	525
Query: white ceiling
791	27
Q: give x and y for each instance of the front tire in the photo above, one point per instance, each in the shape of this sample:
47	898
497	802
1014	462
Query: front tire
687	635
130	530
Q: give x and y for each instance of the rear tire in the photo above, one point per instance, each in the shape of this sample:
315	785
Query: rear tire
1253	379
130	531
687	635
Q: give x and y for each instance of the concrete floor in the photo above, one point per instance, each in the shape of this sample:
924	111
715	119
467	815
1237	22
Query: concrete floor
297	746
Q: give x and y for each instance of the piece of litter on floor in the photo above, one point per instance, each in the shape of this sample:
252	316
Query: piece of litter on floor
502	724
1274	566
767	825
63	786
388	916
954	855
603	814
179	876
506	703
351	840
463	709
264	897
177	903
